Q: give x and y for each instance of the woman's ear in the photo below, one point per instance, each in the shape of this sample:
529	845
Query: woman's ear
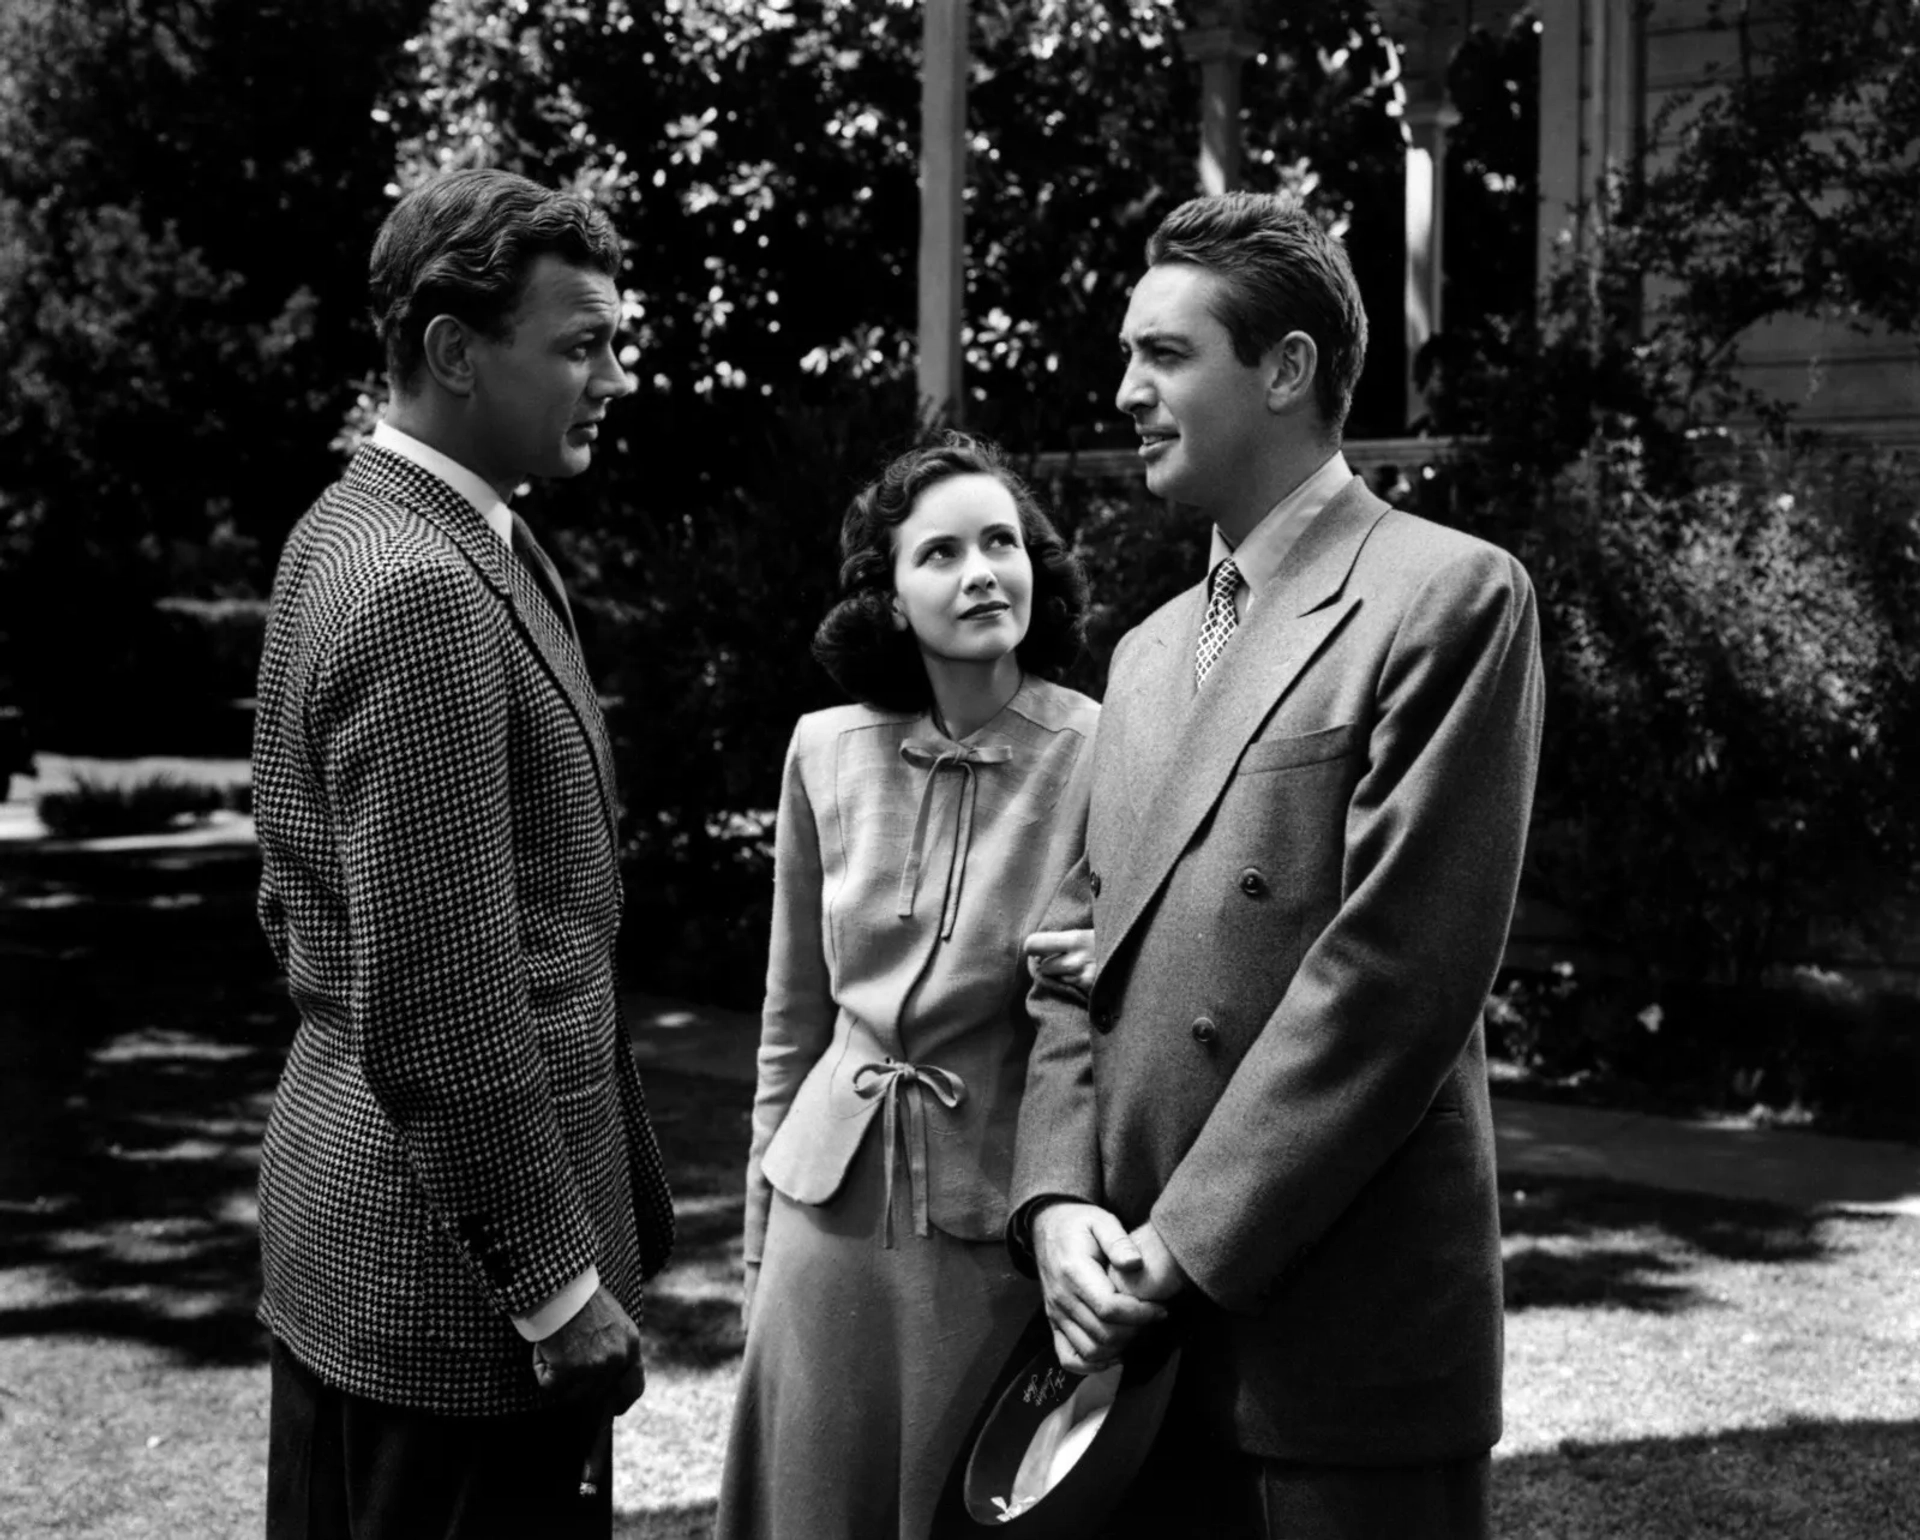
449	354
899	615
1291	364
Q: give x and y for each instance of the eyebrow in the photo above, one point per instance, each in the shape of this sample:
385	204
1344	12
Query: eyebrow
1154	337
998	527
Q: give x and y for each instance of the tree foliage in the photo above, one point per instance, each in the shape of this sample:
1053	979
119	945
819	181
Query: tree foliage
761	159
1788	186
1731	608
186	188
1793	187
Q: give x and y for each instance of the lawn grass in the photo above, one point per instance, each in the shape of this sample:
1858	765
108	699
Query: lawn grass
1678	1367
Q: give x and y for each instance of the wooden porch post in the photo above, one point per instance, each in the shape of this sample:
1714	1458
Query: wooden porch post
1591	90
1220	44
943	180
1428	123
1427	32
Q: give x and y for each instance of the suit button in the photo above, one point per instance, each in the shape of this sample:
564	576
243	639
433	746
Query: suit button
1102	1018
1205	1033
1252	883
1093	881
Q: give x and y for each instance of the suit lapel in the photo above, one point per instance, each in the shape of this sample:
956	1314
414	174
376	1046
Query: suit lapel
399	480
1165	696
1191	740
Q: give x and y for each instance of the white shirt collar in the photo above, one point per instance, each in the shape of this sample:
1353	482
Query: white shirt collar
1259	555
487	502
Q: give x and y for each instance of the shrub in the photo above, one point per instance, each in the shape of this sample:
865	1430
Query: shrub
96	808
696	618
1139	552
1730	612
697	621
1808	1046
171	676
1731	712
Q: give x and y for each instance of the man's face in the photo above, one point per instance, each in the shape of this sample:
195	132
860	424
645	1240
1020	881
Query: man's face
540	394
1201	414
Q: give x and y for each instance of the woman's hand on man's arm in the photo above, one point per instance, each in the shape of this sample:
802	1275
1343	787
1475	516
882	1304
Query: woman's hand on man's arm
1065	956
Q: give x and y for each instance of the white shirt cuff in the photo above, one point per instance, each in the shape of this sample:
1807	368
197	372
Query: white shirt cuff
562	1308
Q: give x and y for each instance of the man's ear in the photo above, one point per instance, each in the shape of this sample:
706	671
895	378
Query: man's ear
449	354
1291	364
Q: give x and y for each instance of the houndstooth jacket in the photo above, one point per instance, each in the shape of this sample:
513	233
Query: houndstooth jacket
460	1129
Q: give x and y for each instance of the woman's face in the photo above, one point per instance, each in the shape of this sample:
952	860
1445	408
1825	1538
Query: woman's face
962	580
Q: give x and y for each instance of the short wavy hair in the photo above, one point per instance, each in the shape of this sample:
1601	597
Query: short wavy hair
462	245
1283	272
858	643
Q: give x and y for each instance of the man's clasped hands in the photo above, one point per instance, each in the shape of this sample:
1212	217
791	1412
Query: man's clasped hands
1103	1284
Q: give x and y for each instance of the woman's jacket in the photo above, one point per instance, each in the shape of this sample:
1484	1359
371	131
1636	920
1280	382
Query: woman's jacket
909	868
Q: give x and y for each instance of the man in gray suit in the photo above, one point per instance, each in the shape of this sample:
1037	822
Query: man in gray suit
460	1192
1312	782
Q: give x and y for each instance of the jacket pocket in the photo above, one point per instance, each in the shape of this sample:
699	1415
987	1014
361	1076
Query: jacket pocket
1289	753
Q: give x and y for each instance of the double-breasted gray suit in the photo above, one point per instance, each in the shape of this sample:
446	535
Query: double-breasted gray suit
1300	875
460	1130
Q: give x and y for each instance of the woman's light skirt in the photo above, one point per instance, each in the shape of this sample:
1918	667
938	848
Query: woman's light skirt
864	1366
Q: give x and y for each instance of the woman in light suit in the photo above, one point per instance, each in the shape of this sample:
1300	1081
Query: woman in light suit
920	836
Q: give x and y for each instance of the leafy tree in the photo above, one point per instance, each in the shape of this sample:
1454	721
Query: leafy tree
761	159
1731	632
1793	188
186	188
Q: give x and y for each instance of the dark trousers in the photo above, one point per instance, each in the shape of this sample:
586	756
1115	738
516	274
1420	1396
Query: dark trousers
1191	1486
340	1467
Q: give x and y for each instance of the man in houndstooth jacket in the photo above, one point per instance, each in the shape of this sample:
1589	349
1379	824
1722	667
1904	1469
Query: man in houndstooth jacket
460	1193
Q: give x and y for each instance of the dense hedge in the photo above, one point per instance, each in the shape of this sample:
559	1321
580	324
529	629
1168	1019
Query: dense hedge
1811	1047
1725	808
1733	715
137	677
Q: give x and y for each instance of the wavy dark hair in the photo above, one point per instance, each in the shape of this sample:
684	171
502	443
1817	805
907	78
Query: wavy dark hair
858	643
462	245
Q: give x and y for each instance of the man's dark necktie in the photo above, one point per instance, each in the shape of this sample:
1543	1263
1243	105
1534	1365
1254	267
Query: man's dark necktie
545	575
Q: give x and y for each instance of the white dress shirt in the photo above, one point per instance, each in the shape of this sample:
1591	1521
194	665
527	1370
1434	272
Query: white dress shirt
487	502
1258	557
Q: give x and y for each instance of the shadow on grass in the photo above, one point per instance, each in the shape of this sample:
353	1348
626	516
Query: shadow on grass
1836	1480
141	1030
691	1333
1575	1241
689	1521
693	1308
1833	1481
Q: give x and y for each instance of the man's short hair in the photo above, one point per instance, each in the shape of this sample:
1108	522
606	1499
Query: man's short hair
859	645
462	245
1283	272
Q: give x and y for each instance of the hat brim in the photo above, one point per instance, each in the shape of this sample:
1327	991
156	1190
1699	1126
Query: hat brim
1029	1386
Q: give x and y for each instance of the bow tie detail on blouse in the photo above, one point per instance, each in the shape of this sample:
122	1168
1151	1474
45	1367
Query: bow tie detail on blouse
938	755
907	1083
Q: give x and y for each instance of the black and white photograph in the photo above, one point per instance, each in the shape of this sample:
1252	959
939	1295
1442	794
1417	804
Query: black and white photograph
927	769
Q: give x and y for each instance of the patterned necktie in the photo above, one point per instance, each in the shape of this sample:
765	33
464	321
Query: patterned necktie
1220	621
